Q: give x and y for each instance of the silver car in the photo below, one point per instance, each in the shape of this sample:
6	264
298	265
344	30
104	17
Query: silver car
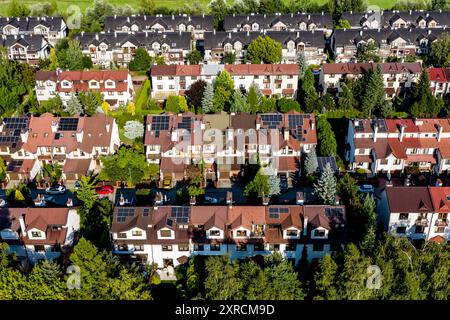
56	190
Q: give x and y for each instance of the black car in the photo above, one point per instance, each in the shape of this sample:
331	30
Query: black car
283	183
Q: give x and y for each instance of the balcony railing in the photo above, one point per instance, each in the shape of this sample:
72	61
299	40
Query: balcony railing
441	223
422	222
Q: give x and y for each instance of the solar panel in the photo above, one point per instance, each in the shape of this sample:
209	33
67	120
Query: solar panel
271	120
9	139
274	213
160	123
359	127
322	162
181	214
146	212
381	124
169	222
14	164
185	123
15	123
68	124
123	213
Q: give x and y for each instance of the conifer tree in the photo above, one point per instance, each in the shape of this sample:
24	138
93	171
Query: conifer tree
325	187
208	99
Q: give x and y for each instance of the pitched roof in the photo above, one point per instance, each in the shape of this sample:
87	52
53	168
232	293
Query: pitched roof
409	199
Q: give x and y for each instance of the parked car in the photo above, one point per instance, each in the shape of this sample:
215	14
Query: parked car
211	200
56	190
283	183
167	183
104	189
366	188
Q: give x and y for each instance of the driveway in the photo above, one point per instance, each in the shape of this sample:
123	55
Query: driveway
59	200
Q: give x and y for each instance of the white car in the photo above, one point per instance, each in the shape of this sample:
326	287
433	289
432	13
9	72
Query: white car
366	188
210	200
56	190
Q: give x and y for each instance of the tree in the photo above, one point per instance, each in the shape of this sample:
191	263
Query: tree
95	16
141	60
368	53
439	55
346	99
325	187
343	24
271	6
254	98
208	99
223	88
229	58
147	7
218	9
194	57
15	9
43	9
286	105
373	97
273	181
326	138
308	88
195	94
264	49
53	171
2	169
223	281
90	100
302	64
239	103
70	56
133	129
325	280
259	186
424	104
268	104
176	104
311	163
127	164
73	106
86	192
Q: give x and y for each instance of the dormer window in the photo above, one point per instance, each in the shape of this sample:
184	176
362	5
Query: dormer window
165	233
110	84
319	233
66	84
214	233
94	84
121	235
36	234
292	233
136	233
228	47
255	27
241	233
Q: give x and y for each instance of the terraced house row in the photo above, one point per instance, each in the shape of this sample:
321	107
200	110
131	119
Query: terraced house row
224	142
169	235
75	143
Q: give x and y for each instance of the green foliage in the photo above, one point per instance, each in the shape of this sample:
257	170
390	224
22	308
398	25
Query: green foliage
127	164
254	98
229	58
19	195
141	60
16	9
268	104
70	57
326	138
370	91
53	105
90	101
368	53
264	50
424	104
86	193
223	89
439	55
147	7
326	187
133	129
311	163
239	103
95	16
195	94
2	169
52	171
194	57
302	64
73	106
286	105
257	187
218	9
176	104
143	95
343	24
208	99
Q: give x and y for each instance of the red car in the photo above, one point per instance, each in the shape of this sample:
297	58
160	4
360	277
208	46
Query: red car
104	190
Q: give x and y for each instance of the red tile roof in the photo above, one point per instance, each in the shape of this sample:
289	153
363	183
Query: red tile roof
262	69
438	74
176	70
359	68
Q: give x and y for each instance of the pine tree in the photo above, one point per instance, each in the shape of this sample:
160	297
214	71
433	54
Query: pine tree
424	101
73	106
373	98
133	129
301	62
311	163
325	187
254	97
239	102
274	184
208	99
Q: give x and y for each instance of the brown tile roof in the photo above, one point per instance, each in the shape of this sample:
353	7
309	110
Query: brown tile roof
176	70
243	121
359	68
80	166
46	75
409	199
262	69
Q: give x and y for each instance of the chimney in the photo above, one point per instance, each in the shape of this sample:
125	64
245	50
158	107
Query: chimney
337	200
108	126
305	226
24	136
54	126
286	134
440	131
23	227
300	198
174	136
229	199
402	132
192	201
80	135
375	132
69	202
265	200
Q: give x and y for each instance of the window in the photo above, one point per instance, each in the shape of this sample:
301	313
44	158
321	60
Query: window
319	233
401	230
159	86
289	86
165	233
136	233
139	247
258	247
121	235
214	233
291	233
274	247
318	247
39	248
159	78
166	247
241	233
214	247
384	161
420	229
198	247
290	247
440	229
403	216
36	234
241	247
442	216
183	247
397	162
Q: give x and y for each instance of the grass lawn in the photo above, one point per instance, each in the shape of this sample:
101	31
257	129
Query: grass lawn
83	4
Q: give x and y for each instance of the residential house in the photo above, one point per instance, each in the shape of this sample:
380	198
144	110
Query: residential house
398	43
311	43
39	233
25	48
195	24
397	77
51	28
118	48
391	145
397	19
168	235
418	213
439	81
115	86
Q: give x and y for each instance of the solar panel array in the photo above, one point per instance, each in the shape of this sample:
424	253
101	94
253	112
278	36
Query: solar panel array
14	164
271	120
322	162
381	124
334	212
295	123
160	123
274	213
9	139
359	126
123	213
185	123
68	124
181	214
16	123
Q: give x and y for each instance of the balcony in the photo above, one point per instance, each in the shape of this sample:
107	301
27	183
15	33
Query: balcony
441	223
266	80
422	222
